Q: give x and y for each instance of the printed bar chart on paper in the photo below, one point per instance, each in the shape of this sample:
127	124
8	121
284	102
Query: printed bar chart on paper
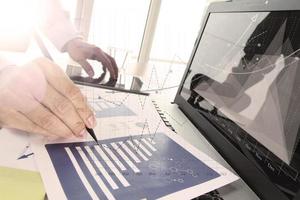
135	167
104	109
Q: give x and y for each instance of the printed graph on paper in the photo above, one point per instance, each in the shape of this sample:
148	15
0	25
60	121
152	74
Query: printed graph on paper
127	168
103	108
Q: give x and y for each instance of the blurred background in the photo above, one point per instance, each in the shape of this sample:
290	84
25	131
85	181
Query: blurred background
151	39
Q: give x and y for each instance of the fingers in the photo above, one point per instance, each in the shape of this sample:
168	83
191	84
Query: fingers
114	65
80	51
42	99
62	84
16	120
63	108
106	60
87	67
48	121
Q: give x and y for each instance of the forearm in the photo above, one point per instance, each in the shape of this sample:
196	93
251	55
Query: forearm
56	24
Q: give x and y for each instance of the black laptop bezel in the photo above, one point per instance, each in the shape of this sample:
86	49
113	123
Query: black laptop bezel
246	169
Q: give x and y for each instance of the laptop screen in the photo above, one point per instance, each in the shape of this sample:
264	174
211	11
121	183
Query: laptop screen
245	79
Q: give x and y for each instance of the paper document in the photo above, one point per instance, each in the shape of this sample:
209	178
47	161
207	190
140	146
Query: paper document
160	166
15	150
138	157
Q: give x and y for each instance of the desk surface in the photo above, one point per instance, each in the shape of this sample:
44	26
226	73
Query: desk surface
234	191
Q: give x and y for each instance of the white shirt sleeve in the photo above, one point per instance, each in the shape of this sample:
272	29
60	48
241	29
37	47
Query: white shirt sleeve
56	24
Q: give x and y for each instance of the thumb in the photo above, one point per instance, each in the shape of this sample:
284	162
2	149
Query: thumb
87	67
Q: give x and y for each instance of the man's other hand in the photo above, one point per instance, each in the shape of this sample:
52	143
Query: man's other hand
81	51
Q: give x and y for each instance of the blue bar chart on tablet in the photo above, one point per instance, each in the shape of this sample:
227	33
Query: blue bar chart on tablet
127	168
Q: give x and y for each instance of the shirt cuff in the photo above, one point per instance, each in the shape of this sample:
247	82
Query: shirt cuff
61	31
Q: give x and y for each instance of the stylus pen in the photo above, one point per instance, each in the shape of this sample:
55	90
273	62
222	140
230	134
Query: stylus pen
92	133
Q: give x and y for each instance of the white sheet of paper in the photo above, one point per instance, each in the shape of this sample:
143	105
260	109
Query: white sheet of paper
55	189
15	150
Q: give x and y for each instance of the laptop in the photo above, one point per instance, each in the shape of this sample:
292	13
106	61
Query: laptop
241	89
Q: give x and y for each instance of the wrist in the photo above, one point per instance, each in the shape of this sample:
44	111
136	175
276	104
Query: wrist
73	43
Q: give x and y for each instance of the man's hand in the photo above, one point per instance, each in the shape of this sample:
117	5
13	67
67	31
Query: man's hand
40	98
81	51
